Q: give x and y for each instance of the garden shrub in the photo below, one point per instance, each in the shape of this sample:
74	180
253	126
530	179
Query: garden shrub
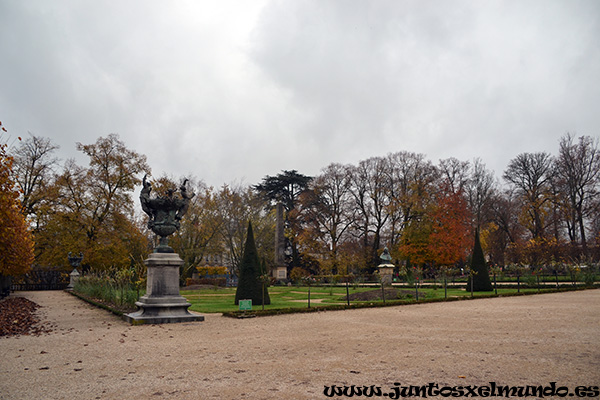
481	278
297	273
206	281
113	286
210	270
589	277
250	286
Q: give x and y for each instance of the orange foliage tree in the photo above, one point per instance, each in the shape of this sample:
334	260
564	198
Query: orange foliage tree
16	244
451	229
442	235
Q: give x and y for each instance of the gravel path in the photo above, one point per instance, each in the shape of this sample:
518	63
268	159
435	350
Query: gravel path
91	354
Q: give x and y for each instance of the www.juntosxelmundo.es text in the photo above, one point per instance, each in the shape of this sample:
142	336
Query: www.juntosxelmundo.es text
398	391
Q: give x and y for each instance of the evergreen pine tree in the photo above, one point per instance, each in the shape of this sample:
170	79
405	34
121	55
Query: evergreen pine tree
249	284
481	279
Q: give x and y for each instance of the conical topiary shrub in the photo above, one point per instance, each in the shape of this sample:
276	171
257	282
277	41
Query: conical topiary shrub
481	279
249	284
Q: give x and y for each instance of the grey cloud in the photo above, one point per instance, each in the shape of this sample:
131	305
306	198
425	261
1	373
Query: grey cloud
237	90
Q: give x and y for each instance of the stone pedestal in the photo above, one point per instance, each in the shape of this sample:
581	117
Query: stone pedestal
73	278
386	272
280	273
162	302
280	270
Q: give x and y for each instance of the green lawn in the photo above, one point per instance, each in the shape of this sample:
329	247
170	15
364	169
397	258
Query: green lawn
222	299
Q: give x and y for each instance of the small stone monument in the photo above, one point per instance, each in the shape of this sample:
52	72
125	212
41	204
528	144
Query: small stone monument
75	262
162	302
386	268
280	268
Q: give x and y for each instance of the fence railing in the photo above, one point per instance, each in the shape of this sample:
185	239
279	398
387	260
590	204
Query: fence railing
37	286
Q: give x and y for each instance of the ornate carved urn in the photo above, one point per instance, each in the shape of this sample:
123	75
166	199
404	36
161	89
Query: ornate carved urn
165	213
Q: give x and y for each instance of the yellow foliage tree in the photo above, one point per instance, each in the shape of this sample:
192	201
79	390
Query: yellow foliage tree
94	212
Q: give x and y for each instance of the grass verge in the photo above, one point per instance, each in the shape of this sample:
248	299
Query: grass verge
105	305
286	300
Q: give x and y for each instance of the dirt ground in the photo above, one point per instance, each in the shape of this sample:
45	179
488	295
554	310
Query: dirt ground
92	354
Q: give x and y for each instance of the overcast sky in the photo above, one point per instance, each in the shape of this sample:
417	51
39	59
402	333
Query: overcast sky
231	91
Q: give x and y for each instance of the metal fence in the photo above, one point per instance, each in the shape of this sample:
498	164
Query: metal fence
41	278
37	286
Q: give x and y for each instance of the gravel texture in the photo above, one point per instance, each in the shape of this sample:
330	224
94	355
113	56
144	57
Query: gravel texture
88	353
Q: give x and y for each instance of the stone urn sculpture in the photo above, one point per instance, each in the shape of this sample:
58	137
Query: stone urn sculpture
386	268
164	212
162	302
75	262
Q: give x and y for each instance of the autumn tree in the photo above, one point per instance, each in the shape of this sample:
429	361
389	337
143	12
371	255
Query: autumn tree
480	189
442	235
327	213
451	228
595	229
505	214
62	232
455	174
16	245
415	243
198	234
495	241
236	205
411	183
370	190
94	212
112	175
578	178
530	174
34	168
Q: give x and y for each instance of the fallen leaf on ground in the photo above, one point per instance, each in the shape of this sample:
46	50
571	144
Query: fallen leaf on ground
18	317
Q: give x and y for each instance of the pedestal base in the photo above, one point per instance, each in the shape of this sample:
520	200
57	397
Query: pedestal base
73	278
386	273
162	310
162	303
